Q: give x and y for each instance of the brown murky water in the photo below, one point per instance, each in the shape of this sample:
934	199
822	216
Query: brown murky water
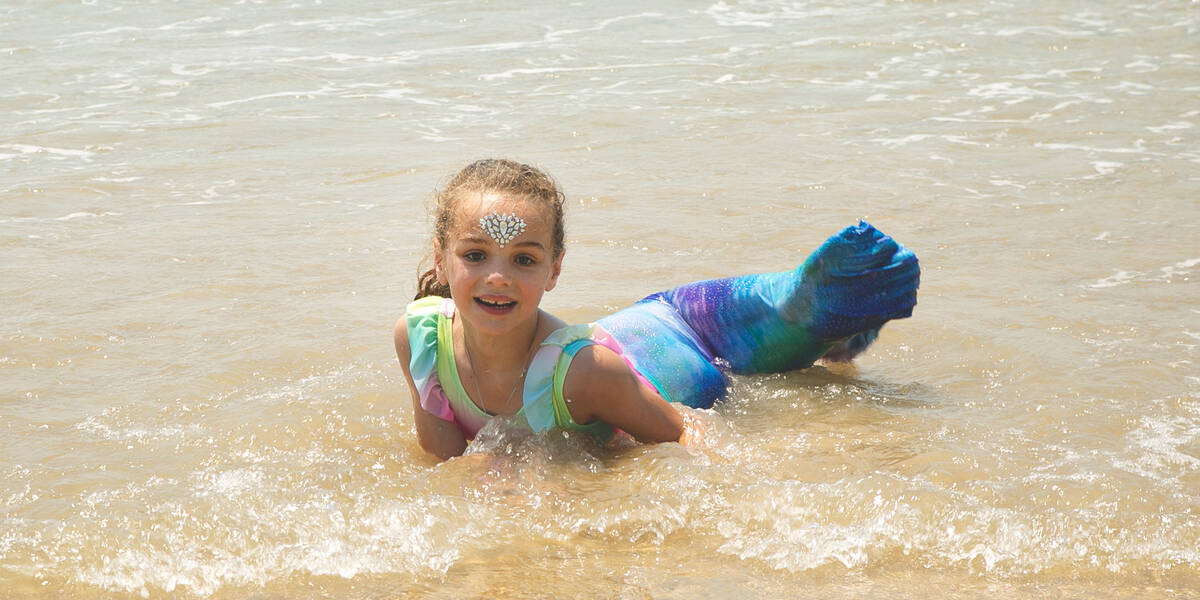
211	215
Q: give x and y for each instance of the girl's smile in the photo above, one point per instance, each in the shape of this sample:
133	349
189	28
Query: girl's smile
496	305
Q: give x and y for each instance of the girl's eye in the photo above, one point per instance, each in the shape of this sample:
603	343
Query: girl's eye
473	256
525	260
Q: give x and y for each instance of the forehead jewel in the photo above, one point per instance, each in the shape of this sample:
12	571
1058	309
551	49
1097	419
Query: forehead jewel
502	228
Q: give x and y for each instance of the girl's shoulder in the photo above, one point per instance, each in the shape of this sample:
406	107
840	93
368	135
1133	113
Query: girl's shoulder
594	367
416	329
579	357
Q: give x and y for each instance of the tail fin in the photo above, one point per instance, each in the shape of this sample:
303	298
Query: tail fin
856	281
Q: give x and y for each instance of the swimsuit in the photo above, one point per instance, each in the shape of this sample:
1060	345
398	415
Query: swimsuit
543	406
684	342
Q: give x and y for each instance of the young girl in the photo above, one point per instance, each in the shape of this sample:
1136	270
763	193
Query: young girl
474	344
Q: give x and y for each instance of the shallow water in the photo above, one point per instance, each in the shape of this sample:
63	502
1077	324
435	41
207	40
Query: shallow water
212	213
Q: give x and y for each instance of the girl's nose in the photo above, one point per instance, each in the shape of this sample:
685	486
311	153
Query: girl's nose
497	276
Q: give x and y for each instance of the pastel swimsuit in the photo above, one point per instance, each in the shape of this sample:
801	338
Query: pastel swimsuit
441	391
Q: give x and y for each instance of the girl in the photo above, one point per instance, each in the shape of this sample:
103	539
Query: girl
474	344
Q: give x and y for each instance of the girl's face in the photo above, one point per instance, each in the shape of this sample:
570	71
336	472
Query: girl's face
494	288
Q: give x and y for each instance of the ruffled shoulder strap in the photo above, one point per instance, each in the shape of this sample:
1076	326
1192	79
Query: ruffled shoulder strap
421	318
544	406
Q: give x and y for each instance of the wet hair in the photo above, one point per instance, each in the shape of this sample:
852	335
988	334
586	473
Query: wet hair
501	176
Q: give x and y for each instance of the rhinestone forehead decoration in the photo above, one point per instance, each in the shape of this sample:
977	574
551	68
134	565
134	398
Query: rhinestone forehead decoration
502	228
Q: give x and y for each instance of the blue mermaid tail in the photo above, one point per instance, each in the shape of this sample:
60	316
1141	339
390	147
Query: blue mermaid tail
684	340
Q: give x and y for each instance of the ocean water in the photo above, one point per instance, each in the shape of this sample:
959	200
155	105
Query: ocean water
211	214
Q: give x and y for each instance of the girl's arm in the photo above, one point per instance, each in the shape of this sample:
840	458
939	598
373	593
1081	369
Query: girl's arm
437	437
600	387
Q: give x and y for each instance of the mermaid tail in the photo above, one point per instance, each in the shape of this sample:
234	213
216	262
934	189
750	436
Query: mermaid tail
684	340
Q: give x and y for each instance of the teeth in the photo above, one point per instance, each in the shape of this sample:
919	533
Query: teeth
497	304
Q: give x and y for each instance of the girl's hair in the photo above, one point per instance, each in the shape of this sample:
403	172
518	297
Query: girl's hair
491	175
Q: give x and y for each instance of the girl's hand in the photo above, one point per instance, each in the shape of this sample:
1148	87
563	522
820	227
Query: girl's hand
694	428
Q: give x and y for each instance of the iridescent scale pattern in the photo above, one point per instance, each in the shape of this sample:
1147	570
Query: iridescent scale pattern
687	339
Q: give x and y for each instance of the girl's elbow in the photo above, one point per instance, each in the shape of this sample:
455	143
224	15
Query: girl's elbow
441	450
440	442
669	429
